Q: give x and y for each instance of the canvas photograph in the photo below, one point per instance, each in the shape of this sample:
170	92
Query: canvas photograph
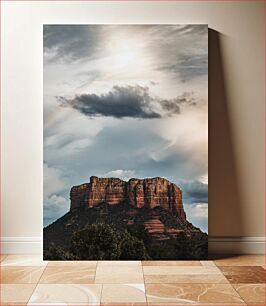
125	142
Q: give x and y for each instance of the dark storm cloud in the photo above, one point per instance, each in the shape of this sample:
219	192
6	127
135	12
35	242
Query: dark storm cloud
173	106
121	102
129	101
195	192
70	42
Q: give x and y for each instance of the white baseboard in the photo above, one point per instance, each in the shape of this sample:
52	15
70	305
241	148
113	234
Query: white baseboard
217	245
21	245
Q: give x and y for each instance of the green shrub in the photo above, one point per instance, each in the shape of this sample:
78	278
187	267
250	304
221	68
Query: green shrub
96	241
57	253
133	248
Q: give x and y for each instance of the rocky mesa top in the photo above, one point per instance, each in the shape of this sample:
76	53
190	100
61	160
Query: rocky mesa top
148	192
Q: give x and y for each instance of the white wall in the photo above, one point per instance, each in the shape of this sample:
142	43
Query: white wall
236	114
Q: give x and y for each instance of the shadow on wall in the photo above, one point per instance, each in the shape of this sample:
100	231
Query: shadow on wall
225	216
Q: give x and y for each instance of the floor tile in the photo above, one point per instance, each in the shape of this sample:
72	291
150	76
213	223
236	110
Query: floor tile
120	263
251	293
242	260
71	263
192	293
2	256
123	293
119	274
67	294
178	270
195	304
208	263
16	293
24	260
171	263
126	304
68	275
21	275
185	274
186	279
14	304
248	274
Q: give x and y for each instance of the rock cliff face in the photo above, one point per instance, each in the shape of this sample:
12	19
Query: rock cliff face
150	192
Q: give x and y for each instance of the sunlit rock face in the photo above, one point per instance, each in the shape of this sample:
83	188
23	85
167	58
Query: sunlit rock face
148	192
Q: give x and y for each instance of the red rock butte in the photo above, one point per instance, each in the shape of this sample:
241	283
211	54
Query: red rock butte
148	192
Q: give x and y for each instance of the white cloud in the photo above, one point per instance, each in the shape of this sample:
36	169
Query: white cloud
203	178
197	214
197	210
76	146
122	174
55	206
53	181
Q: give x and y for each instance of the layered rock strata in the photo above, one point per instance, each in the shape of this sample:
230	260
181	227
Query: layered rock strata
148	192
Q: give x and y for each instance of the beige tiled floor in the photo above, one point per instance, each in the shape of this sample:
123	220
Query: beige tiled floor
73	294
68	275
16	293
251	293
247	260
23	260
235	280
121	273
123	293
192	293
21	275
2	257
83	263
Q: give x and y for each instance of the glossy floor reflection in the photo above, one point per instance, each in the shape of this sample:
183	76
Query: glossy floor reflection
236	280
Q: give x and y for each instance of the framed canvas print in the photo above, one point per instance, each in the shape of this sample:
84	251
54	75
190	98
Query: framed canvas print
125	142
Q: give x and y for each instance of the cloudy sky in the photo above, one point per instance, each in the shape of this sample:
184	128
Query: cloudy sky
126	101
